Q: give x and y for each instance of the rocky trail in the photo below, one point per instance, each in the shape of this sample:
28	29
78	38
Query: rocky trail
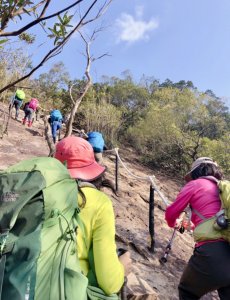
149	279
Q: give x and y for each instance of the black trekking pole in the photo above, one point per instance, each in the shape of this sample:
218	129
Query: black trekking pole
123	291
168	248
163	259
151	219
116	172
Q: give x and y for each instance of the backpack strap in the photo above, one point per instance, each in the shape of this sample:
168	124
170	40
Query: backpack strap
196	212
220	212
92	273
82	184
211	178
4	248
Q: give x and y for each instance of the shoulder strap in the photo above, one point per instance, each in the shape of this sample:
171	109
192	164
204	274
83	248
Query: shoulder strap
82	184
196	212
211	178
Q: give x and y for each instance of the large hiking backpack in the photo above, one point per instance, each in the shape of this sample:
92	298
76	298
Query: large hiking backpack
38	221
96	140
55	115
217	226
33	103
20	94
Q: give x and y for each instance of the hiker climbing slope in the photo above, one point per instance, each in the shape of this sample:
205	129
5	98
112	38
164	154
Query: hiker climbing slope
29	109
96	140
96	240
208	267
55	121
17	101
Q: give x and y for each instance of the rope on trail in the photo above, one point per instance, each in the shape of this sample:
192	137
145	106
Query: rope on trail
147	178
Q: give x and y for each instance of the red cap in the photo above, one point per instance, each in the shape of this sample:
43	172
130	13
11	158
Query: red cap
79	156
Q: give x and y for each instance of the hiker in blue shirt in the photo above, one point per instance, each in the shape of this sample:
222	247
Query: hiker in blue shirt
96	140
55	121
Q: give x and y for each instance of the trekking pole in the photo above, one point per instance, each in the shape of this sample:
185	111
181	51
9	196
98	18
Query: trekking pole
151	218
116	173
123	291
164	258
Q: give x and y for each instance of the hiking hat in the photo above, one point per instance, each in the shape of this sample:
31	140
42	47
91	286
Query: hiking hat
197	163
79	156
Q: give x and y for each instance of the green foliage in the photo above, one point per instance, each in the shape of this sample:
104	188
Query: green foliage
169	124
59	30
9	9
219	150
2	42
26	37
13	64
173	131
50	87
103	117
96	113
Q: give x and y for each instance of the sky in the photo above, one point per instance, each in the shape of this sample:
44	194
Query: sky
175	39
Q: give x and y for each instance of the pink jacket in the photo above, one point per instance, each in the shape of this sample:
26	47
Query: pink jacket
201	194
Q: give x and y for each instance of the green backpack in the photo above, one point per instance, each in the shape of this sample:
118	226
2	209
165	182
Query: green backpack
217	226
38	222
20	94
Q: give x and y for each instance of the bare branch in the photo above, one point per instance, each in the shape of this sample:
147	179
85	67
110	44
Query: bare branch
101	11
88	82
101	56
17	32
53	52
23	10
70	92
44	9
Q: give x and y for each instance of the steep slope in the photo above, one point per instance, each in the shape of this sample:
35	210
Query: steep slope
149	279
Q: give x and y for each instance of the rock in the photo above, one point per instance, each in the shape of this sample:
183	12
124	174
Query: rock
139	289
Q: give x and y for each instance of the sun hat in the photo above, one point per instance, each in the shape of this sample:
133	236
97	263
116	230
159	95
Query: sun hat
198	162
79	156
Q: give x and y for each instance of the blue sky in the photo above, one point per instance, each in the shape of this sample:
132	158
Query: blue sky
175	39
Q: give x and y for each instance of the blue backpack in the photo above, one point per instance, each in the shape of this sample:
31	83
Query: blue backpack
55	115
96	140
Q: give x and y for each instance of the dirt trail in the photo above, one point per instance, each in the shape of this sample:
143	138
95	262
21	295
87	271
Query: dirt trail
149	279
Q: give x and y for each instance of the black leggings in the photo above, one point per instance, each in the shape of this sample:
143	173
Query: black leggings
208	269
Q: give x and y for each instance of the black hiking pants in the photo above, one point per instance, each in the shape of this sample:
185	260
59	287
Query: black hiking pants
208	269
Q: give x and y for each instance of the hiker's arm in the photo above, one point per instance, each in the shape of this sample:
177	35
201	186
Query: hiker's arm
174	210
109	270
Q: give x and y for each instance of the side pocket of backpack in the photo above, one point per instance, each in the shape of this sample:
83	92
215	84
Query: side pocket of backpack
75	285
95	293
74	281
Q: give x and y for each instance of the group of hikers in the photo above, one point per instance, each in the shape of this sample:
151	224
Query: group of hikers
30	108
208	267
55	120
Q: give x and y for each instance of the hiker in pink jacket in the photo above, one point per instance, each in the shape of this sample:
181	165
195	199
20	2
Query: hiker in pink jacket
208	267
29	110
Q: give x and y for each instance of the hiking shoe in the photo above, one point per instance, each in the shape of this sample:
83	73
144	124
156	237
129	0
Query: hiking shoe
29	123
23	121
